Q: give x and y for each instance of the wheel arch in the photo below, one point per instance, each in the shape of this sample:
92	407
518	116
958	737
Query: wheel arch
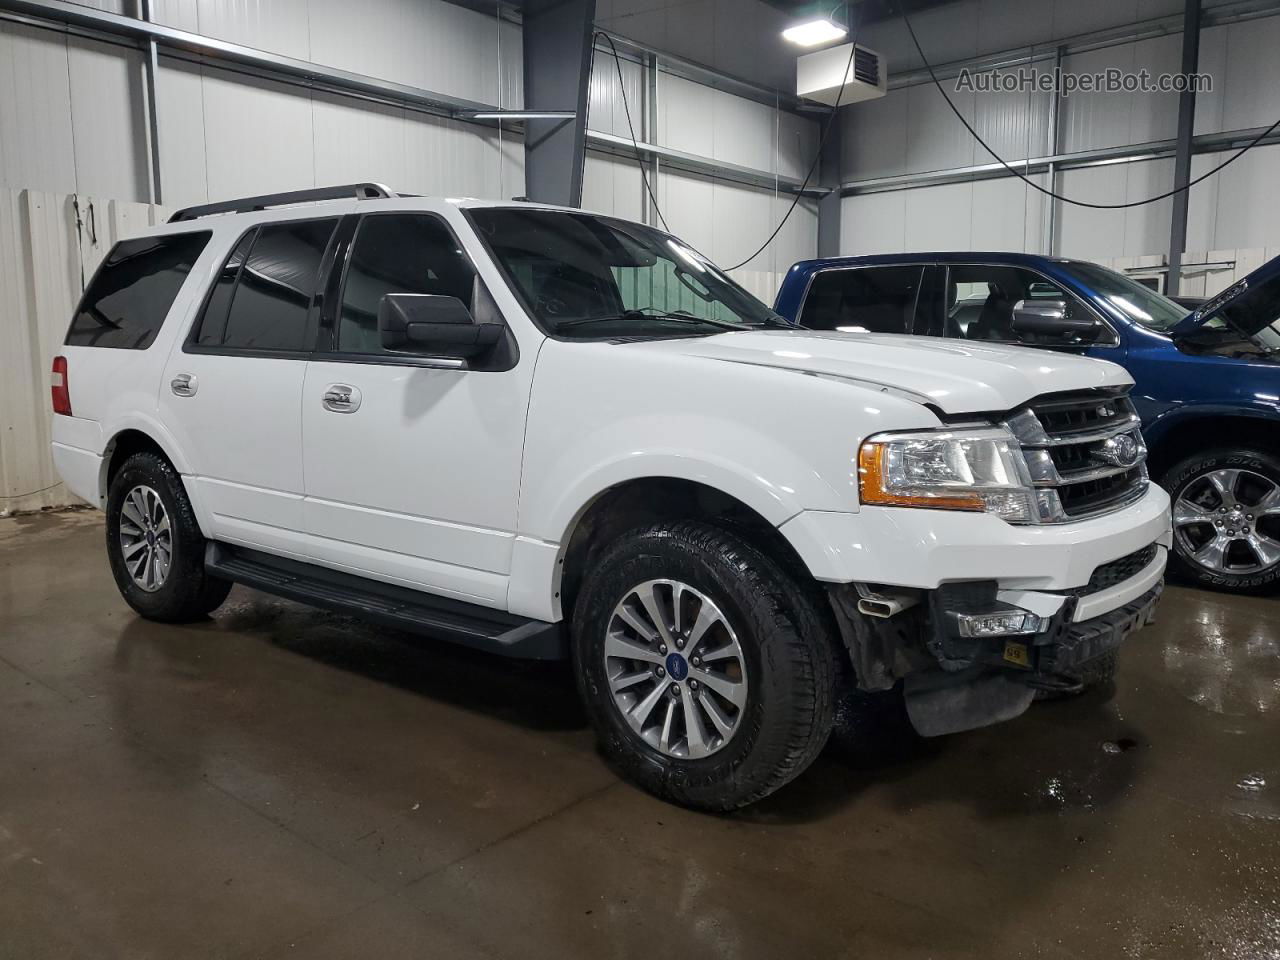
1181	433
138	437
642	500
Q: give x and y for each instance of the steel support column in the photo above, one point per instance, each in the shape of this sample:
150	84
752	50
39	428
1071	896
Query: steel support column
1182	154
829	171
151	67
557	64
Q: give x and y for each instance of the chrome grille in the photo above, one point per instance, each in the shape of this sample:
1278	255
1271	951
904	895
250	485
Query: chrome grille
1084	452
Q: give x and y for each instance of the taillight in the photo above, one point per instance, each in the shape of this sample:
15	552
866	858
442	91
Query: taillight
61	389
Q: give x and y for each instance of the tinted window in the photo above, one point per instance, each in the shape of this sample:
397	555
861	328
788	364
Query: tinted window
867	299
214	322
272	296
397	253
133	290
586	276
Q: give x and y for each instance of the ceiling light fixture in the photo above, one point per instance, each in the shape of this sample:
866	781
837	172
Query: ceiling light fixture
812	33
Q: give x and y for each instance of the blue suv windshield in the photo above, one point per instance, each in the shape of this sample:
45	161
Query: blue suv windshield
1140	304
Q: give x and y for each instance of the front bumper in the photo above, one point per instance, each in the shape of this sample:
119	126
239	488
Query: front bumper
997	678
923	549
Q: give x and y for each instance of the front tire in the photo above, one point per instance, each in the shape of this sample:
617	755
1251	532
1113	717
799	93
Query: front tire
1226	520
708	673
154	544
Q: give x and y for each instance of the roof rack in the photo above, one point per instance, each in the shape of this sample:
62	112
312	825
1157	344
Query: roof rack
347	191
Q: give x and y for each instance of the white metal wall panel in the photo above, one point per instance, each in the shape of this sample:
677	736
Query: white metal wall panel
184	172
612	185
1008	216
1249	80
1015	125
1091	120
36	144
106	112
1090	234
935	139
684	107
606	112
874	223
278	26
259	136
1238	207
359	141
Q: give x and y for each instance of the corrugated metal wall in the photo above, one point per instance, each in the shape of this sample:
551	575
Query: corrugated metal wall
912	130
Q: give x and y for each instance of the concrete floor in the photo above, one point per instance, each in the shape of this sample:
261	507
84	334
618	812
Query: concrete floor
284	782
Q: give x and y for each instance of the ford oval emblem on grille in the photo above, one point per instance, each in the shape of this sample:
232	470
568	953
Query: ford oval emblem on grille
1121	450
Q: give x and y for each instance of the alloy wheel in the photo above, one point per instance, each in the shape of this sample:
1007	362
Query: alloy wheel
675	669
146	538
1228	521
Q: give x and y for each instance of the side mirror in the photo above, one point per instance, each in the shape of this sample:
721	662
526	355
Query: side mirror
1053	318
434	326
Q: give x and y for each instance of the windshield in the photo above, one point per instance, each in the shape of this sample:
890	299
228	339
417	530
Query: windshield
589	276
1140	304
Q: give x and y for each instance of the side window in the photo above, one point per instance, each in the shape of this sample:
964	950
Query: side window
865	299
133	290
262	298
397	253
213	324
980	301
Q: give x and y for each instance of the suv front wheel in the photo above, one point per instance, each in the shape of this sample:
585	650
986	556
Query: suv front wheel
1226	520
707	671
155	546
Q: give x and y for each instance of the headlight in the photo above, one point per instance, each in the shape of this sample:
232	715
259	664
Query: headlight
980	470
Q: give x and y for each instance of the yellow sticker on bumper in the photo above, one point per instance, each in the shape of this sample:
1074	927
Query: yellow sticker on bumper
1015	652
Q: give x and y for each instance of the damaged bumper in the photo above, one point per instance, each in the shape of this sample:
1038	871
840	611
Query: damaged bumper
972	653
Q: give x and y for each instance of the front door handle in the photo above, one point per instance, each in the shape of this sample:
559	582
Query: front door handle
184	385
341	398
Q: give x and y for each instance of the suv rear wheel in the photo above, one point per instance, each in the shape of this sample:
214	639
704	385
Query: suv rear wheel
154	544
1226	520
708	673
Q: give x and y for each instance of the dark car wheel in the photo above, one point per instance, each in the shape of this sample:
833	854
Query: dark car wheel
708	672
154	545
1226	520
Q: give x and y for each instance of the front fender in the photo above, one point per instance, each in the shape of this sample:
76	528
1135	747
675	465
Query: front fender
1160	429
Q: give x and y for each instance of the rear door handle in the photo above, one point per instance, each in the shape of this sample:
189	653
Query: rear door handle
341	398
184	385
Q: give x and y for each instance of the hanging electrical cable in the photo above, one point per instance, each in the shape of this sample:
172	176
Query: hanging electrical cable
822	142
626	107
1048	192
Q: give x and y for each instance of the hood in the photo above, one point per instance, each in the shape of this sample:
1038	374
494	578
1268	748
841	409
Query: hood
954	375
1245	306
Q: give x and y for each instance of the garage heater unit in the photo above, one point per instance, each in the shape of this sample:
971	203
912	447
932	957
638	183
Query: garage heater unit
822	76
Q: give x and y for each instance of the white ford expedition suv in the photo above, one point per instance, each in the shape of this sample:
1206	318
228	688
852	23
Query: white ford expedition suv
549	434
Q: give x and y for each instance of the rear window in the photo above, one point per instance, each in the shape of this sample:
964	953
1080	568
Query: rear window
131	293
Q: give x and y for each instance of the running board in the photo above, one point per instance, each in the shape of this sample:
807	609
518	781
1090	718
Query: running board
440	617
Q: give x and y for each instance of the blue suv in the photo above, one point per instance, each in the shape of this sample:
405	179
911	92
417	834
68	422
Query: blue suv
1207	383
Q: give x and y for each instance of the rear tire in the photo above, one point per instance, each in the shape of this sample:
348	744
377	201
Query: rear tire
154	544
771	648
1241	490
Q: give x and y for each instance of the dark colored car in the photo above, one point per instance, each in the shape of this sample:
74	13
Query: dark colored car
1207	383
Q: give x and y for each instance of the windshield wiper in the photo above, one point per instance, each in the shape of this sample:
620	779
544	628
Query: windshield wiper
674	317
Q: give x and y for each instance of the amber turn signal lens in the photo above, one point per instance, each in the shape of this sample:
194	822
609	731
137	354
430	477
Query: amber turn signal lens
873	490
